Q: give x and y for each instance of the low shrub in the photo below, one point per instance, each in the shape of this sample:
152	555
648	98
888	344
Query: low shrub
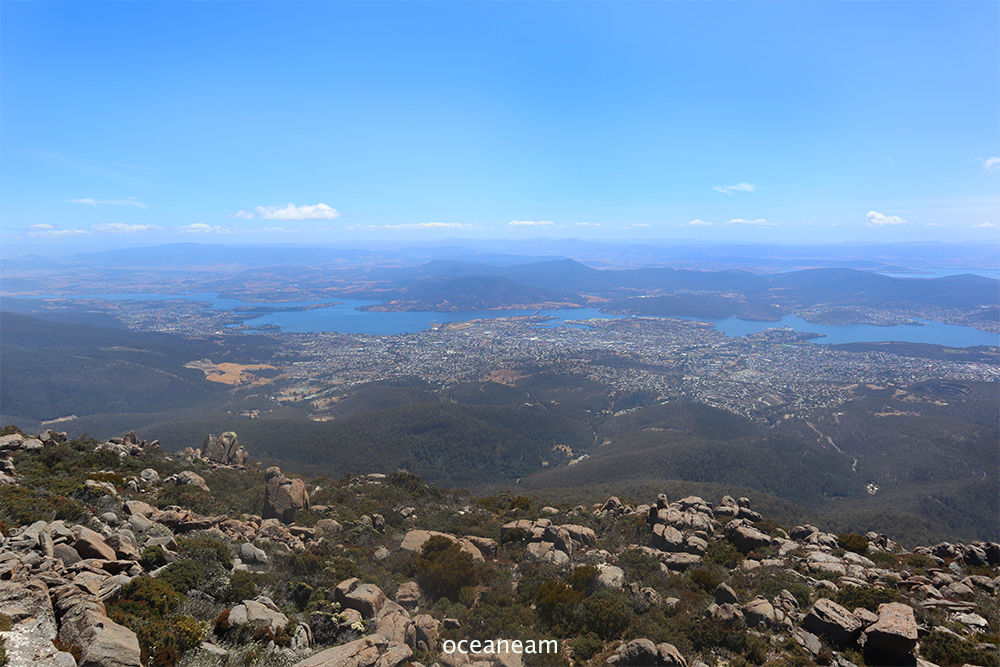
947	650
722	552
854	542
868	597
153	557
443	569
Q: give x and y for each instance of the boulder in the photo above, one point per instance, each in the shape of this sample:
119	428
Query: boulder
260	613
829	618
367	599
224	450
760	613
251	555
745	537
90	544
187	478
638	653
283	497
371	651
670	656
611	576
546	552
723	593
408	595
895	632
29	641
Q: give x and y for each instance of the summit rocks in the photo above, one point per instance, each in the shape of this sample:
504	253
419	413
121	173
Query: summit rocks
283	497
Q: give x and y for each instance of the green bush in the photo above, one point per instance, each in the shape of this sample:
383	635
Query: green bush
586	647
153	557
948	650
22	506
722	552
854	542
159	597
870	598
884	559
242	586
206	550
607	615
704	580
443	569
583	578
556	605
183	575
919	561
637	565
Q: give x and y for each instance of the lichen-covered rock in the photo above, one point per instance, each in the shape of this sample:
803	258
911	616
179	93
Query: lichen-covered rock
371	651
367	599
829	618
895	632
283	497
224	450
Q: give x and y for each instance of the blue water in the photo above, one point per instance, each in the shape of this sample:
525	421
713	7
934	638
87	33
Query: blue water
931	332
343	317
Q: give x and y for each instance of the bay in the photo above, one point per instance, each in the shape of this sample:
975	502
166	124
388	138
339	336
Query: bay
343	316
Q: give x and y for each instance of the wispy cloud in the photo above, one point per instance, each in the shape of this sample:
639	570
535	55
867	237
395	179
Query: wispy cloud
531	223
202	228
877	219
739	187
131	201
122	228
934	224
41	226
759	222
640	224
695	223
58	232
985	225
289	212
81	167
586	224
991	164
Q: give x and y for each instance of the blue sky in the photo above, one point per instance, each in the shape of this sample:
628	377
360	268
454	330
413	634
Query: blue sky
126	124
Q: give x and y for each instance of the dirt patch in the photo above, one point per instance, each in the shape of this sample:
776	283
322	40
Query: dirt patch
235	375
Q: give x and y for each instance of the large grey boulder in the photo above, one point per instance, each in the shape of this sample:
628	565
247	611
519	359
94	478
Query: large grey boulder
829	618
367	599
29	641
637	653
90	544
260	613
895	632
283	497
224	450
370	651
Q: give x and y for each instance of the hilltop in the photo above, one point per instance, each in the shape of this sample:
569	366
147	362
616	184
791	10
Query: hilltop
114	554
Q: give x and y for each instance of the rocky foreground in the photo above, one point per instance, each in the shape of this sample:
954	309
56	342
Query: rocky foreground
387	571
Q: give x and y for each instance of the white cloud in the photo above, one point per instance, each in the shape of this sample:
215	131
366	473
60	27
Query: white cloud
934	224
985	225
759	222
245	215
202	228
877	219
739	187
60	232
131	201
42	225
293	212
122	228
531	223
587	224
991	164
695	223
640	224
